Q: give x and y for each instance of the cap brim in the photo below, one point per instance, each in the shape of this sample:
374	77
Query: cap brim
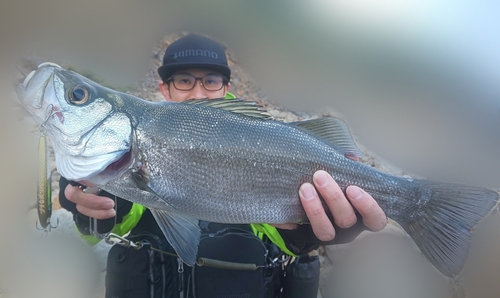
166	71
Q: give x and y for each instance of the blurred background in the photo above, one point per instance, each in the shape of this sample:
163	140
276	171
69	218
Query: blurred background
418	81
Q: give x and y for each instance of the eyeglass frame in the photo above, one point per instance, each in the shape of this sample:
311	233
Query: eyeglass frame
225	81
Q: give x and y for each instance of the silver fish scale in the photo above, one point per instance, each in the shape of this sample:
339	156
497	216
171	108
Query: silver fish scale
234	174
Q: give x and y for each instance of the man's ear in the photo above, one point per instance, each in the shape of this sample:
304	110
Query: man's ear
165	90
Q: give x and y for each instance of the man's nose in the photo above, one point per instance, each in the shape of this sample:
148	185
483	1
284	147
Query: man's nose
198	92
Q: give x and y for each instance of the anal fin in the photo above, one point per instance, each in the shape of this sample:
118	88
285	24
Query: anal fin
183	233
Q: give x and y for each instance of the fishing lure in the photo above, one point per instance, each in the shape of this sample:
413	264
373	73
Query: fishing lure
44	189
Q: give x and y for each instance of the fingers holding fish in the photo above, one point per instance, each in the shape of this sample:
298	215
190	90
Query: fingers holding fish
91	205
321	225
342	211
342	206
373	216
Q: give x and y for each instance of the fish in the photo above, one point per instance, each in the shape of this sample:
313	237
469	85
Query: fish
228	161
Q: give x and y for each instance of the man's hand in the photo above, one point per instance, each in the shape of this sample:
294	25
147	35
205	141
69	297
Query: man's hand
341	207
91	205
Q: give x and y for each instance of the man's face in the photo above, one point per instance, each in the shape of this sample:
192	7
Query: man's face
171	93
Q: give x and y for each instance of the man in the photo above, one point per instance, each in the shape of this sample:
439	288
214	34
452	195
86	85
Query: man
195	67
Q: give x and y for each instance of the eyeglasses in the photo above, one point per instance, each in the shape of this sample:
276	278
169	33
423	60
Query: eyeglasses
186	82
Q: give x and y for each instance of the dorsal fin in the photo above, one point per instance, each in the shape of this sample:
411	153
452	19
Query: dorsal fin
235	105
333	131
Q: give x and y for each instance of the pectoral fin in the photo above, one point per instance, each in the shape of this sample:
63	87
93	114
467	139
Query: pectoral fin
141	181
183	233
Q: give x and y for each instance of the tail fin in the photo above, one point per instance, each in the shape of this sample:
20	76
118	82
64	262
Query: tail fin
444	232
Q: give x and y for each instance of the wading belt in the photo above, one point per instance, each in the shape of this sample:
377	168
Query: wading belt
112	239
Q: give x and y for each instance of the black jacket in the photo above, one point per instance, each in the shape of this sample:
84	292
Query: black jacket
299	241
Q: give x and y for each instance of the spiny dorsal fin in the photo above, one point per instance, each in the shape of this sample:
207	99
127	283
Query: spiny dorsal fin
235	105
334	131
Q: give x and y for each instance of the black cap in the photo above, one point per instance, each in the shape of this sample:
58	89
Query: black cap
194	51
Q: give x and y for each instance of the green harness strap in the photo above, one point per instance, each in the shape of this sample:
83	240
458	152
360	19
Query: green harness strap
129	222
272	233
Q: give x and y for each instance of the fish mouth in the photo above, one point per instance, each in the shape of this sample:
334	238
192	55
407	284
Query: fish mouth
37	80
31	91
27	79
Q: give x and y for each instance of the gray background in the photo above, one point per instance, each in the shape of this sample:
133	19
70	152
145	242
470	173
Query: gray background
418	81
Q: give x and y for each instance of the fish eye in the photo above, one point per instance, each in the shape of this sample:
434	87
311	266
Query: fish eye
79	94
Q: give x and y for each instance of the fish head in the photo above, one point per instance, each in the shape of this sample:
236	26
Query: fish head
90	135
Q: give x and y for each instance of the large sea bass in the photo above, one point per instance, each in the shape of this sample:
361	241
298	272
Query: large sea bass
224	161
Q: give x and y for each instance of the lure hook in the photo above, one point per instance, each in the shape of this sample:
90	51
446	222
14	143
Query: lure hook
49	111
48	228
